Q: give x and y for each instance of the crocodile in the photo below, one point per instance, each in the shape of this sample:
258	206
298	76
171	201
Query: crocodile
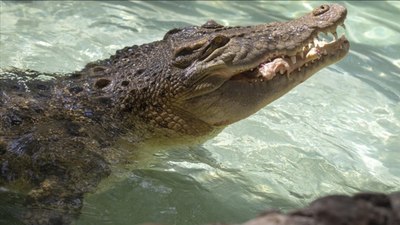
58	135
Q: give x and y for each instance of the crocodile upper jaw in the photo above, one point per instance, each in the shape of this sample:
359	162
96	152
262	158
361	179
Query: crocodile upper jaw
234	82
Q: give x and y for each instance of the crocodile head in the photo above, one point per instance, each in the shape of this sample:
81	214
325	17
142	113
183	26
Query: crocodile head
224	74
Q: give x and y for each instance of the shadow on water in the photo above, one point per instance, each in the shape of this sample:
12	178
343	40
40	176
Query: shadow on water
180	189
158	196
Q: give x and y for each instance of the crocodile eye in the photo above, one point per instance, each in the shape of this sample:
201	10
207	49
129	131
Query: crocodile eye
171	32
187	50
322	9
211	24
217	42
184	56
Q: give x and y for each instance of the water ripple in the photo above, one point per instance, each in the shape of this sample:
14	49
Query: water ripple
339	132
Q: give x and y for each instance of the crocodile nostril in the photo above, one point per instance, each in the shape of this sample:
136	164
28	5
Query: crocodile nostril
320	10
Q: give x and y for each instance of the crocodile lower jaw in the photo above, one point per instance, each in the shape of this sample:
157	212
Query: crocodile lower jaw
315	53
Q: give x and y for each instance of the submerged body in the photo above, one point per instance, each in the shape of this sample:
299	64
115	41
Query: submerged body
57	135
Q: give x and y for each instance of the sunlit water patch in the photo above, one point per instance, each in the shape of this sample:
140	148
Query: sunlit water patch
339	132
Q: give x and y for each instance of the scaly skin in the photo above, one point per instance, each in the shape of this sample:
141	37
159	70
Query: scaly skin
57	136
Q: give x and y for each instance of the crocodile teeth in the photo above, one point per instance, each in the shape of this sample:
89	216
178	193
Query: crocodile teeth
316	42
293	58
310	53
313	54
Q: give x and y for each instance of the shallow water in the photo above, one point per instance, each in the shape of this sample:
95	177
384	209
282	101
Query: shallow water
339	132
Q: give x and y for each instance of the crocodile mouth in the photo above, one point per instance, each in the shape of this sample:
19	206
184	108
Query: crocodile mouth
313	53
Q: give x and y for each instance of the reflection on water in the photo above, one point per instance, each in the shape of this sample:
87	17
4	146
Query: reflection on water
339	132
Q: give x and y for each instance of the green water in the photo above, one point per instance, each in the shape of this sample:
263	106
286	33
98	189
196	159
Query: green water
339	132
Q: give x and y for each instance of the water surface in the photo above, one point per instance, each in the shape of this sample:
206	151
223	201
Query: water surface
339	132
